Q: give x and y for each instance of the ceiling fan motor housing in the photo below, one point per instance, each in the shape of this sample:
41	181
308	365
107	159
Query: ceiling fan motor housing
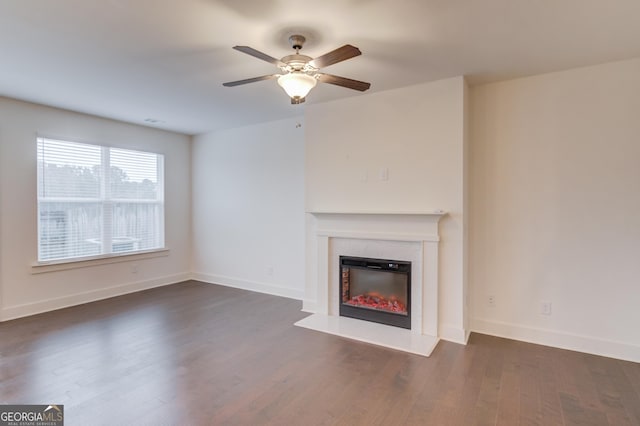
297	63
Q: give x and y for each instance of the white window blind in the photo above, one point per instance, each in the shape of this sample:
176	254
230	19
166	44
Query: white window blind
96	200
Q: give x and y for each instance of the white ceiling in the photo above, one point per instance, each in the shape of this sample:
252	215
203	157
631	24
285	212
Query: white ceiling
167	59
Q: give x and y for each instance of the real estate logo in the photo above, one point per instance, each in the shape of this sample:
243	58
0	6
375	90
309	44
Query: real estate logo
32	415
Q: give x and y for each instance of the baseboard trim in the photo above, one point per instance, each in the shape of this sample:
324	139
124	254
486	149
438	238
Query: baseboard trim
248	285
557	339
28	309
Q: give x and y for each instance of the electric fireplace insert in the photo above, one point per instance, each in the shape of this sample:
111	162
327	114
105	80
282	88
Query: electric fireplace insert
377	290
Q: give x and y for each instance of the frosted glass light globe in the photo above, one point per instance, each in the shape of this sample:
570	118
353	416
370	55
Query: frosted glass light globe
297	84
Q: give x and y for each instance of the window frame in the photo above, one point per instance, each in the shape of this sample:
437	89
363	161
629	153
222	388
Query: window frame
107	205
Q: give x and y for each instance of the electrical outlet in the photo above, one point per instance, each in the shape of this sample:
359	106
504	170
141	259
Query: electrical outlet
134	269
491	301
269	271
545	307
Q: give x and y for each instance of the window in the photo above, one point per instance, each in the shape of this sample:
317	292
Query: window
96	200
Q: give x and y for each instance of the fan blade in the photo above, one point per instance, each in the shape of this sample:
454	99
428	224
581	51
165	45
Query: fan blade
344	82
340	54
250	80
257	54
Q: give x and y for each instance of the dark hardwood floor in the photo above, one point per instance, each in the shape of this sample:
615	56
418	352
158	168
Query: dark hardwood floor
195	353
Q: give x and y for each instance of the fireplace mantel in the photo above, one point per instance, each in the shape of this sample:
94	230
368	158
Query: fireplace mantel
384	213
400	235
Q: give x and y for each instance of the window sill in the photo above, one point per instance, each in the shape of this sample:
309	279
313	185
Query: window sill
63	265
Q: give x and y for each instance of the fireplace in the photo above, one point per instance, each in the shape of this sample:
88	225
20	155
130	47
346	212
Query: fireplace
377	290
410	236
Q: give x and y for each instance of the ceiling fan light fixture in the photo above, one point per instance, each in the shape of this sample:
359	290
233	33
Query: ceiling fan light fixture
301	71
297	84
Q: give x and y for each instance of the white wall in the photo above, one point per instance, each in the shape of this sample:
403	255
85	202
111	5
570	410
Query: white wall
417	134
249	207
556	208
24	293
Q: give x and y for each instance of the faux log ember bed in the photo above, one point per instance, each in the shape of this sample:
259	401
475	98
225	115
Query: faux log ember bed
377	290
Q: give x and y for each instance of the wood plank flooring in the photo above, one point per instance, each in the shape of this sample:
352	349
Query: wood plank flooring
201	354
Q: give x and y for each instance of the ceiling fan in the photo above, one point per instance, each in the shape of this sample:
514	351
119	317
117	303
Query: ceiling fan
300	73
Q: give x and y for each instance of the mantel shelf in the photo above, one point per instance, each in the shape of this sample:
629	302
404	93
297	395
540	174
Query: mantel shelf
383	213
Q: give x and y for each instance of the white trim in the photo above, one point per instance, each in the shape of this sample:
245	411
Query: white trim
454	334
309	306
63	265
385	236
243	284
28	309
558	339
434	212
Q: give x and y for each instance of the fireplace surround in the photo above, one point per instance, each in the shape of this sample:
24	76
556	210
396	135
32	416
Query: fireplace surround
410	236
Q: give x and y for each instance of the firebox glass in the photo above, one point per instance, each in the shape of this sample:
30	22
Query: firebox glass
377	290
